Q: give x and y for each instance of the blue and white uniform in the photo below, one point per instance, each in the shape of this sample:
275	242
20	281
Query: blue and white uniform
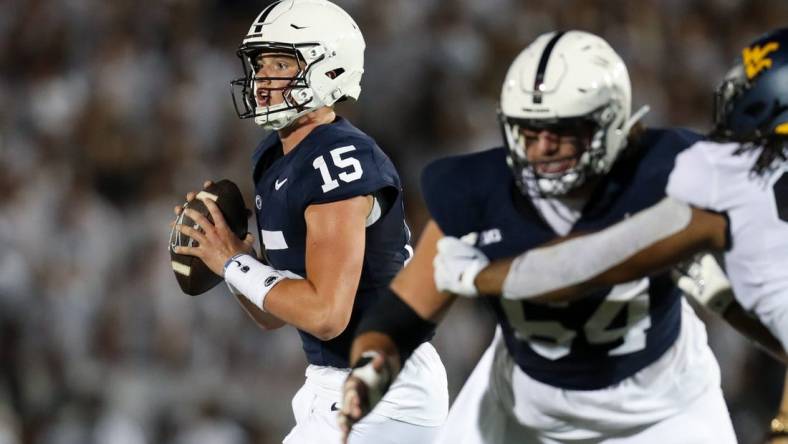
627	362
334	162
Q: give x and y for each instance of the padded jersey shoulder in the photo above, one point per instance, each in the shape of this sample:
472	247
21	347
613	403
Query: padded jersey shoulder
456	188
339	161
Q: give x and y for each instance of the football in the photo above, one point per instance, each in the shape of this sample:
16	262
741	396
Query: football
193	276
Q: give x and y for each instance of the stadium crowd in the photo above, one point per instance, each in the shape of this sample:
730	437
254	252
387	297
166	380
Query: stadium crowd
111	111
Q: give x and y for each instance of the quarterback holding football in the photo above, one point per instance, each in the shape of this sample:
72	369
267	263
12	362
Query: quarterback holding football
330	215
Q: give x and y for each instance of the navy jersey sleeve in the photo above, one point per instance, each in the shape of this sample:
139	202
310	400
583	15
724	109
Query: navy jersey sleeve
690	137
354	167
449	192
662	154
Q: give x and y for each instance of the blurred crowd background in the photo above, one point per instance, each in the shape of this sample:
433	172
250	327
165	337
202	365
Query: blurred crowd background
110	111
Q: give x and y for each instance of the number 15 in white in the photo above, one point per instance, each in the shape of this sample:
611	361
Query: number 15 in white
330	183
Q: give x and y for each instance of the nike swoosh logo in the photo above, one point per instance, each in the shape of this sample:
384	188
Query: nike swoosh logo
334	407
278	184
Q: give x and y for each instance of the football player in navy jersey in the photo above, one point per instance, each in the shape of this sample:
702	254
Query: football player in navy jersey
331	219
728	193
629	363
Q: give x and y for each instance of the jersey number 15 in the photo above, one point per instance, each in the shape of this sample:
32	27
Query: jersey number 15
329	183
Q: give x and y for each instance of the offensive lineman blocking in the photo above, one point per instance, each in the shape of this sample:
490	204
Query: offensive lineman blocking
630	363
731	194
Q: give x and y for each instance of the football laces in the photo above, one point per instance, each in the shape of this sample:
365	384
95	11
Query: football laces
176	237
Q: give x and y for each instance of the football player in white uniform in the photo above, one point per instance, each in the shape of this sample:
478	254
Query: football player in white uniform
629	364
331	219
728	191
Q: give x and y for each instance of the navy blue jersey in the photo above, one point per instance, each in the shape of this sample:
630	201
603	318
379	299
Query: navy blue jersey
593	342
334	162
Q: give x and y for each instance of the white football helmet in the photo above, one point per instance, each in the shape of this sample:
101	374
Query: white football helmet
323	37
560	80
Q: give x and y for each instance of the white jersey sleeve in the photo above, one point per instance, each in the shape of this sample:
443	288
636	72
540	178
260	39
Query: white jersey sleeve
719	177
695	177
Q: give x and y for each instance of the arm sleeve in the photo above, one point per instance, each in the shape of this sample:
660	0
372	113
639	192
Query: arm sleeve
694	177
396	319
579	259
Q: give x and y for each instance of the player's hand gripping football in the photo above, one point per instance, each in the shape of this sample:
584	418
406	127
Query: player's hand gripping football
216	241
368	381
456	265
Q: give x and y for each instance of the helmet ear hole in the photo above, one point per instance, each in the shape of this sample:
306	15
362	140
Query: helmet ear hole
335	73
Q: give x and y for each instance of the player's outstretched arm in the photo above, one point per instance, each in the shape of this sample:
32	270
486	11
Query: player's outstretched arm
651	241
401	321
703	281
646	243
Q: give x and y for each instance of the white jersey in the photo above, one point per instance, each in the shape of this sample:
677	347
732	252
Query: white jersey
711	176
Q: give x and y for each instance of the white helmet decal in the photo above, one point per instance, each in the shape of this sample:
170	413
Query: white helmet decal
323	37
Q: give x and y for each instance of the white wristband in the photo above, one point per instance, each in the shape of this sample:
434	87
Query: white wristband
247	276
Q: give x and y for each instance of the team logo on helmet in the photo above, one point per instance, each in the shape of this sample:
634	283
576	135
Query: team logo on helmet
755	58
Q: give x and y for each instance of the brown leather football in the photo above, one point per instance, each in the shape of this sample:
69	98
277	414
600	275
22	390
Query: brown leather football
193	275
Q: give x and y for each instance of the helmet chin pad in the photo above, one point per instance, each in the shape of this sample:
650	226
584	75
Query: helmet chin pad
560	185
534	183
557	184
273	119
297	102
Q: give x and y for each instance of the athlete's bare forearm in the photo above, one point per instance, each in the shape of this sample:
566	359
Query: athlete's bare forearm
322	303
261	318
